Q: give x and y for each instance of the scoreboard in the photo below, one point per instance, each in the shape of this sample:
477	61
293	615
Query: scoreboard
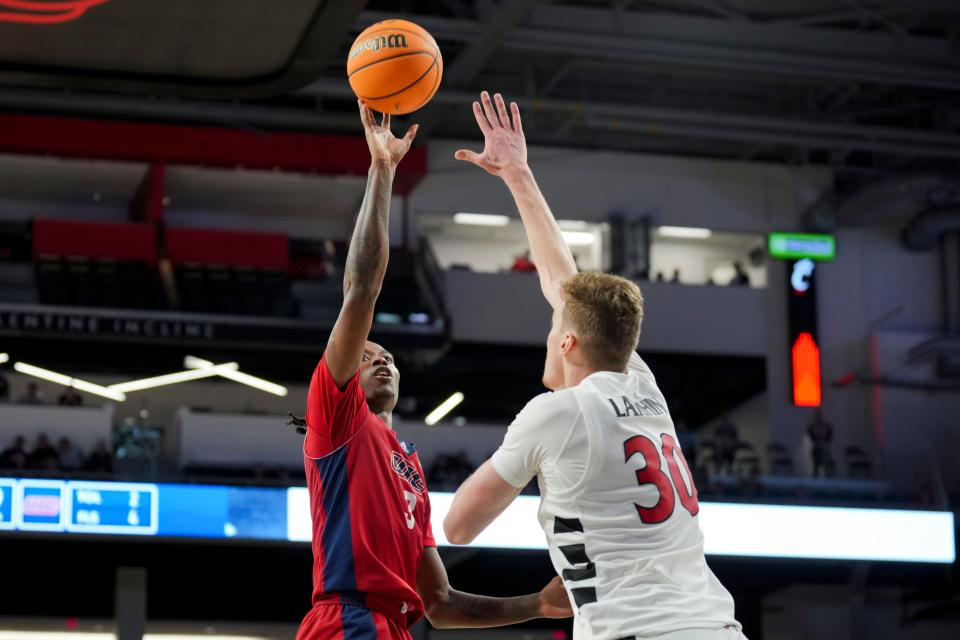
282	514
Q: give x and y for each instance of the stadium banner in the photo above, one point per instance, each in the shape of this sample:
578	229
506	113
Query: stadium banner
282	514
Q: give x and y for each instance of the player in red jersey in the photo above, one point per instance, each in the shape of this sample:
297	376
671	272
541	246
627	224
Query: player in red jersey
376	570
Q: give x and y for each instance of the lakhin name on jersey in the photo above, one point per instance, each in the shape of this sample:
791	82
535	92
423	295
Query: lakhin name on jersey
642	407
393	41
408	472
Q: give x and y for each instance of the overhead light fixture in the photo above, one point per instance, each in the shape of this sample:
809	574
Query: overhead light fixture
572	225
4	357
191	362
579	238
481	219
174	378
55	635
67	381
684	232
443	409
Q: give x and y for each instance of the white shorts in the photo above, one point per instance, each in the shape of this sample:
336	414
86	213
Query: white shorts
727	633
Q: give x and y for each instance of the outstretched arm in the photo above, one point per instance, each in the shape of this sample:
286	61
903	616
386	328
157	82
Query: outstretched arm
448	608
369	249
505	155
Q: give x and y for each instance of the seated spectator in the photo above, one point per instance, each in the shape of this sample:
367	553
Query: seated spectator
14	456
4	389
821	435
32	395
43	456
726	437
70	457
70	398
523	263
740	277
675	278
100	459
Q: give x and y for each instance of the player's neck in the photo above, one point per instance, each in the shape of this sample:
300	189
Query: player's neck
574	375
387	417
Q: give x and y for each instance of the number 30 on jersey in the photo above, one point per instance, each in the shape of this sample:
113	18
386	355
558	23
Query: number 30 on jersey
654	474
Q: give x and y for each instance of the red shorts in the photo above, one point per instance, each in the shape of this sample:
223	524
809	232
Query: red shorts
335	621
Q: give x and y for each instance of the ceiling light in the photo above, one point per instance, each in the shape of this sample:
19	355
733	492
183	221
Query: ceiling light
443	409
481	219
572	225
173	378
67	381
55	635
579	238
684	232
4	357
191	362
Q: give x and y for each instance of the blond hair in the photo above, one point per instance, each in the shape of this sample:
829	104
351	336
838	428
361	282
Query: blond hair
605	311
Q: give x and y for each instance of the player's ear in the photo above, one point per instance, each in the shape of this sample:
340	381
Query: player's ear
568	343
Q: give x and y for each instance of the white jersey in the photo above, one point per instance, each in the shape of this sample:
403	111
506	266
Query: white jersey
618	507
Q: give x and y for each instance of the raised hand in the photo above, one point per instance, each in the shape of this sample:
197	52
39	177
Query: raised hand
504	147
385	148
554	601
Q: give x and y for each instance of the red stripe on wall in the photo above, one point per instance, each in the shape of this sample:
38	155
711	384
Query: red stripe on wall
192	145
231	248
116	241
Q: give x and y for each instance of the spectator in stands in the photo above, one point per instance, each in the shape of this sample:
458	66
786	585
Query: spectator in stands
14	456
43	456
32	395
100	459
675	278
726	438
70	398
523	263
70	457
740	277
4	389
659	277
330	265
821	435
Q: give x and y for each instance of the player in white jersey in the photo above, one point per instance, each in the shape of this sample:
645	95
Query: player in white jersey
618	504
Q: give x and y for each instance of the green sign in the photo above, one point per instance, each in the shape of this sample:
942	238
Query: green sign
796	246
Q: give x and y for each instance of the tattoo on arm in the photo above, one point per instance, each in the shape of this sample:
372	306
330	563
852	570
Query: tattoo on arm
369	248
469	610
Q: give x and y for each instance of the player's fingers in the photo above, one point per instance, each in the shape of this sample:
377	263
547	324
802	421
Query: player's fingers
467	156
411	133
364	114
502	111
385	122
489	111
481	118
517	124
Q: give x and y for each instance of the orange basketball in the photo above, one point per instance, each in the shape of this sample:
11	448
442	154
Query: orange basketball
395	66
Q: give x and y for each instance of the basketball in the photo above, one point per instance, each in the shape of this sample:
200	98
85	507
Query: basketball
395	67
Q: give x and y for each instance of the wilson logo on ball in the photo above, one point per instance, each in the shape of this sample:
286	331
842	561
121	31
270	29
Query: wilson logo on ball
45	11
393	41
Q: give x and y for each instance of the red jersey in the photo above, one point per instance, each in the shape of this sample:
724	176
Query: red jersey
368	503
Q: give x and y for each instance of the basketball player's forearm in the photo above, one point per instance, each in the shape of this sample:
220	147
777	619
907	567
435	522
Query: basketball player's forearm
466	610
548	249
370	246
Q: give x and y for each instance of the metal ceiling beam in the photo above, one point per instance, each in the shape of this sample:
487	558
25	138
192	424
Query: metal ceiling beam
719	126
473	57
737	47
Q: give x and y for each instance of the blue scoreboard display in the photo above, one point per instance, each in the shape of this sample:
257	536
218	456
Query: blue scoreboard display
282	514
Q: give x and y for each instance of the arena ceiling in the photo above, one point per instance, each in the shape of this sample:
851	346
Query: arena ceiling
871	86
